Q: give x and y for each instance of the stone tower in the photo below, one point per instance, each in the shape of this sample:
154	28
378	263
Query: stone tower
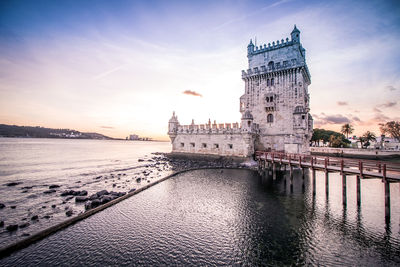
276	94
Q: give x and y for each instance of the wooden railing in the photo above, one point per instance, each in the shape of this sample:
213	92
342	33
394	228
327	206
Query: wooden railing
363	167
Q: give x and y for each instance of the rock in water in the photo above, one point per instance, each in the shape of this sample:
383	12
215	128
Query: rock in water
81	199
102	192
24	225
138	180
35	218
1	223
93	197
54	186
104	199
95	203
82	193
13	184
49	191
2	206
88	205
69	213
67	193
12	227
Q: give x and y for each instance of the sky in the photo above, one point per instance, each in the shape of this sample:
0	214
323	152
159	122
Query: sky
123	67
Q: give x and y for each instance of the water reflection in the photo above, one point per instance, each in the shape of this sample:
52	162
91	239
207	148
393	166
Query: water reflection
227	217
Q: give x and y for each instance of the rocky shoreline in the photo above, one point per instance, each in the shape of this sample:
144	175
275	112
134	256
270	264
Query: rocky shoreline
77	199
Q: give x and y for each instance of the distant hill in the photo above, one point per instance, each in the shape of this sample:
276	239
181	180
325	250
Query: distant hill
41	132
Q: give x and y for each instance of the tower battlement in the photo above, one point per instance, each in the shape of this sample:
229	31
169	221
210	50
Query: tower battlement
266	48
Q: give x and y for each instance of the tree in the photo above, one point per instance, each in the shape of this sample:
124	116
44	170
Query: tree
347	129
333	138
392	128
366	138
317	136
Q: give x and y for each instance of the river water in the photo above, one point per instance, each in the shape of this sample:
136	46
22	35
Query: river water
91	165
227	217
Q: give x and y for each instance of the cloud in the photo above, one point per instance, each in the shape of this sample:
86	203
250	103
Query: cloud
356	118
336	119
333	119
108	72
252	14
388	104
193	93
375	109
342	103
106	127
381	118
390	88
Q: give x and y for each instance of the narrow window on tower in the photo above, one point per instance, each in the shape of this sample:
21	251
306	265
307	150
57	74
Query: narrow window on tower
272	81
270	118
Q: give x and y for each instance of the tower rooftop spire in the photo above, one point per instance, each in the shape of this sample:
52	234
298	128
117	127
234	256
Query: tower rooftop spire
295	29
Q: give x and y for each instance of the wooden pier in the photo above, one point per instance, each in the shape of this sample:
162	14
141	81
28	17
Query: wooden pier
363	169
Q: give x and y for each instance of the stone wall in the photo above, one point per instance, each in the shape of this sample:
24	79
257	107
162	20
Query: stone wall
233	144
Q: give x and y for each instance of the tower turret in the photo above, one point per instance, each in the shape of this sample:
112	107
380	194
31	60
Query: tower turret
173	126
247	121
250	48
295	35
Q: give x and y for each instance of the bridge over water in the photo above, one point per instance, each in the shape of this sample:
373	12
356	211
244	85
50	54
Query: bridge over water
388	172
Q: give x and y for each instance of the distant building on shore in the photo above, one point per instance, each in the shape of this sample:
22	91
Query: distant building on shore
387	143
133	137
275	107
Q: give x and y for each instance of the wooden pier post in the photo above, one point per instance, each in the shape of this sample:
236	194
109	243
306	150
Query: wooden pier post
358	190
344	184
273	171
326	177
327	183
387	195
314	182
344	189
387	201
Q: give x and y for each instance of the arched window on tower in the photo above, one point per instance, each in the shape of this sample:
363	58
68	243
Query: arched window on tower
271	65
272	81
270	118
267	82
